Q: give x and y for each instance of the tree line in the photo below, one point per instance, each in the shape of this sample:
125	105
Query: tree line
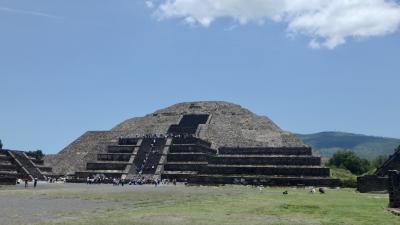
356	165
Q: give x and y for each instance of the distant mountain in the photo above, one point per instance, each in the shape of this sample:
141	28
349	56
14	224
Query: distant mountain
369	147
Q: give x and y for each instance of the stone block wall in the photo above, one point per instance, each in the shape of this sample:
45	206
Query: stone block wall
190	166
268	160
113	157
260	180
192	157
8	180
394	189
120	149
105	166
372	183
266	151
191	148
267	170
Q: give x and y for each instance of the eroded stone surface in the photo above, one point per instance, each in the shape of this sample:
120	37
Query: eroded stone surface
230	126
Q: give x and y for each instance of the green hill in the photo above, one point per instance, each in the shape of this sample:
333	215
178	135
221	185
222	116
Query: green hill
369	147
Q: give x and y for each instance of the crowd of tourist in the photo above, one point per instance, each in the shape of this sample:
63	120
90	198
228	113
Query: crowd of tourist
137	180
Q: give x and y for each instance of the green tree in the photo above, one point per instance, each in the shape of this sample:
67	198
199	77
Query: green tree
1	144
38	154
378	161
350	161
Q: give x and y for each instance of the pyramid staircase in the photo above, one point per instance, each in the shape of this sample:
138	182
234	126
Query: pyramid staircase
8	170
18	164
184	157
193	160
130	157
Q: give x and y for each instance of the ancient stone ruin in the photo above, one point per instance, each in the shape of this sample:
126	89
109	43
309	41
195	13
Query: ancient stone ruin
379	181
19	164
197	142
394	189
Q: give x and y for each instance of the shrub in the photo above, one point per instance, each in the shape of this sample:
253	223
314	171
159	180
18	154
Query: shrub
350	161
346	177
38	154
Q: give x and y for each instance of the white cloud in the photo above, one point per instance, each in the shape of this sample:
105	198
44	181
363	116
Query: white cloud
328	23
149	4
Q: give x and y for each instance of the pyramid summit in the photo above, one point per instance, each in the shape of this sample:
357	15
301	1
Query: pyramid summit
229	125
205	142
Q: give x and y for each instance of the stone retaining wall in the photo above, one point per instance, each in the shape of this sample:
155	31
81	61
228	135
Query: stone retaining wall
268	181
266	151
191	148
120	149
372	183
105	166
8	180
193	157
262	170
394	189
267	160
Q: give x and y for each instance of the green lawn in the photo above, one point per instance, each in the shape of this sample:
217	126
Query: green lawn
233	205
228	205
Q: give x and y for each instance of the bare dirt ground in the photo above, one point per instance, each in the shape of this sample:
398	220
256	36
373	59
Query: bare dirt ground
24	206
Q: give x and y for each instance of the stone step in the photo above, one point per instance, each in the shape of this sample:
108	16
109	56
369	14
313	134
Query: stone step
121	148
264	156
266	160
7	166
188	156
266	151
114	156
181	172
190	141
8	172
267	170
264	180
8	180
178	175
4	156
104	171
25	161
189	162
189	166
263	166
191	148
128	141
109	162
106	165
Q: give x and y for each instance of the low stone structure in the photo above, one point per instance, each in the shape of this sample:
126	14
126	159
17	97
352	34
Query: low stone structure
19	164
199	142
394	189
379	181
372	183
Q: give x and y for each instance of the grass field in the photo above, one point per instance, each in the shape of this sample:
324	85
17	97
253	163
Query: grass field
212	205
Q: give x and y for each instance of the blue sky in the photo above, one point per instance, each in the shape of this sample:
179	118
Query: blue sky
71	66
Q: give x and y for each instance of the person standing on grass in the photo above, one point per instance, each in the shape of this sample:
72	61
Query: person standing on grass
26	182
34	182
